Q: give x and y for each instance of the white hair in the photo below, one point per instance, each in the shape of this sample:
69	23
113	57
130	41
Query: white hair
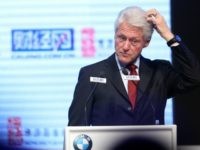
135	16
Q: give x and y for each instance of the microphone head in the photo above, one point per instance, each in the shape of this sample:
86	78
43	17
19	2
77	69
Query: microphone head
125	71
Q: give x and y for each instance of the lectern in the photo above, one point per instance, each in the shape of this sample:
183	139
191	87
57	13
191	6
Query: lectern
160	137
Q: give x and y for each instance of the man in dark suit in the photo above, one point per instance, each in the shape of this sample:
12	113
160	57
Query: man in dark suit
101	94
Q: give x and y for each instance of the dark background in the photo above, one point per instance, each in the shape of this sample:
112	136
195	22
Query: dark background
185	15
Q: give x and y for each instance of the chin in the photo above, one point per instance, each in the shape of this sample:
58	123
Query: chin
124	59
125	62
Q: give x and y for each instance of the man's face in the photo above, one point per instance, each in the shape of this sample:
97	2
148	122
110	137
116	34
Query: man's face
129	42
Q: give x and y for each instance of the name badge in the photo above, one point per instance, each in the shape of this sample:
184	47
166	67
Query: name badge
132	77
98	80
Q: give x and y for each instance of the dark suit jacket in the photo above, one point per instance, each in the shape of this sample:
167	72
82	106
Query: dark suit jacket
108	103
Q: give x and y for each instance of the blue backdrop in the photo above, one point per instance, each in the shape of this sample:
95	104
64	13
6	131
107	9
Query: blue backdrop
43	44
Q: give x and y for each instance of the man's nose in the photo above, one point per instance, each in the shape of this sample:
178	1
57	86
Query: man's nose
127	44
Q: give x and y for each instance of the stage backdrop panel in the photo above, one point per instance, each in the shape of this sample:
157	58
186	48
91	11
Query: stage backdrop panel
43	44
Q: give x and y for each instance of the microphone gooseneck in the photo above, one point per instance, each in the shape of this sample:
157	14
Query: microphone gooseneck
87	101
101	73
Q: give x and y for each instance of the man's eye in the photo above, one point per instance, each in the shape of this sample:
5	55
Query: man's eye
121	38
133	42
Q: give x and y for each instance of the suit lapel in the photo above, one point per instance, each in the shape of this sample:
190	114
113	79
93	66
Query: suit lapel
146	74
113	73
114	76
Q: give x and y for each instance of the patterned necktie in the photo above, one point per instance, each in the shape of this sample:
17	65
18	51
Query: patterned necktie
132	86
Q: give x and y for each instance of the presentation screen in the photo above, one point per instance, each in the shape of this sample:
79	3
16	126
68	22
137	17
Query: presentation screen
43	44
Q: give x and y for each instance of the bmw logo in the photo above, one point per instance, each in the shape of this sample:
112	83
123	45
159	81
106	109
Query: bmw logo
82	142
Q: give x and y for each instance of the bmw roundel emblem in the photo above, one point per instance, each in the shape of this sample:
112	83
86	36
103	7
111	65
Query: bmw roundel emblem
82	142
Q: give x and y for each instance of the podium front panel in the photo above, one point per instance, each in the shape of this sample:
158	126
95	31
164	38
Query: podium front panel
162	137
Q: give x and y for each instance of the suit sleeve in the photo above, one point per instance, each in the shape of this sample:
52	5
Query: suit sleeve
187	68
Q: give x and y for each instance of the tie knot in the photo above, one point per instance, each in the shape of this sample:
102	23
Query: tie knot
132	68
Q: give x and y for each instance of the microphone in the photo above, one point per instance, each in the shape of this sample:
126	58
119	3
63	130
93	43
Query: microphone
125	71
101	73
